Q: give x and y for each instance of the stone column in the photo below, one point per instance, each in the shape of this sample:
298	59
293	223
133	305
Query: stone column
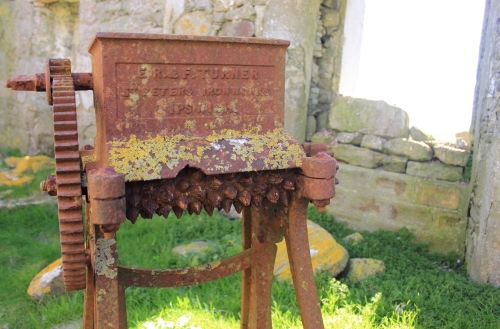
483	231
294	20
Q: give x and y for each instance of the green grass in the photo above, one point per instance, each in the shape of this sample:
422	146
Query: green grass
419	289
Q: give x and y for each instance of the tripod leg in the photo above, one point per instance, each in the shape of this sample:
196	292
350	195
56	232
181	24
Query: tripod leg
297	243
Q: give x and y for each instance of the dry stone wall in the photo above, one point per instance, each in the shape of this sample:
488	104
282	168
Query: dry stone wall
374	134
392	176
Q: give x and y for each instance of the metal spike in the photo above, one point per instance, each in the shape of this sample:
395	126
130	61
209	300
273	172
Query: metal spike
164	210
274	178
245	197
178	212
238	206
289	185
226	205
256	201
273	195
182	202
132	213
195	207
230	192
209	209
214	199
214	184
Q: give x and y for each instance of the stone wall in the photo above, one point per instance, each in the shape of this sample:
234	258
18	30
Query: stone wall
434	210
483	230
397	176
33	30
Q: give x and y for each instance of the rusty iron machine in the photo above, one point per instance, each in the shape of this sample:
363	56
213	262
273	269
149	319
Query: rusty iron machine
184	123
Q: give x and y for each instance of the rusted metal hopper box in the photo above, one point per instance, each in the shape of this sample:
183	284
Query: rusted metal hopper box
164	102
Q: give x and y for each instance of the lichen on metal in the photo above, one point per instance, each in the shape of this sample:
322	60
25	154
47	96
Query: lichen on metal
88	158
143	159
103	258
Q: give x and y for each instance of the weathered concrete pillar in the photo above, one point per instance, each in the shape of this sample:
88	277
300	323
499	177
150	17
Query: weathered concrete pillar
483	232
294	20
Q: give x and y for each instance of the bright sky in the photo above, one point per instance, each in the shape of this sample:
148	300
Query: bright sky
422	56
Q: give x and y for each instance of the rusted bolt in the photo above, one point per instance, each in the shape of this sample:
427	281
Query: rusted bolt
321	204
109	231
86	147
49	185
321	155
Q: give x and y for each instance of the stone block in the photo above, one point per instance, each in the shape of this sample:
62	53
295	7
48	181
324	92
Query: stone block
419	135
193	23
412	150
349	138
311	127
330	18
353	239
368	117
465	135
450	155
326	254
241	29
434	170
325	96
373	142
244	12
322	121
360	269
394	186
357	156
49	280
438	195
395	164
323	136
352	178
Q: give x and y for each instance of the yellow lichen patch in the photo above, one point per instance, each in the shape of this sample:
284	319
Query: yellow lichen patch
24	167
189	124
364	268
88	158
41	283
12	162
34	164
144	159
9	179
325	252
133	98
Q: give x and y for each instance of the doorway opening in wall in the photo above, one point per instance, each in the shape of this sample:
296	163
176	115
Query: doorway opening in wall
420	55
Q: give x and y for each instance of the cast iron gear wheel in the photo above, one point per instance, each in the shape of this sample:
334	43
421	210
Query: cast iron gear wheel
61	94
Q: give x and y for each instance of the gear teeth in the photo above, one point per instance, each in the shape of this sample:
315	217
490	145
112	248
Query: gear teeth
69	192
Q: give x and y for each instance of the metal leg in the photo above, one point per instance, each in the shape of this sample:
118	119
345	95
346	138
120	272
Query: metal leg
107	310
261	230
297	243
